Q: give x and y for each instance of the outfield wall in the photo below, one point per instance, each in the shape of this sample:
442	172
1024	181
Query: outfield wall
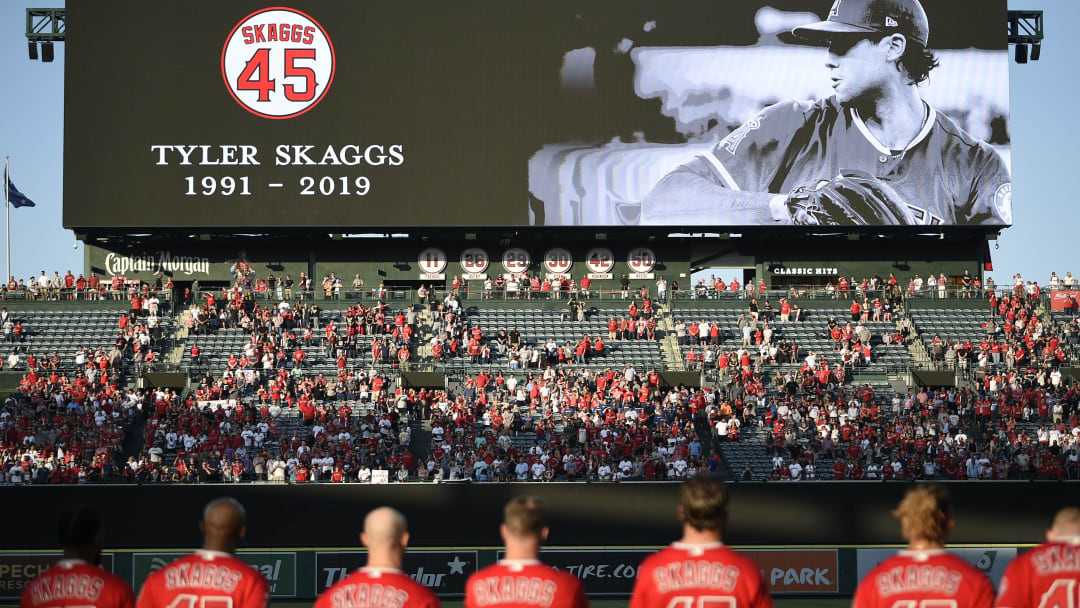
808	538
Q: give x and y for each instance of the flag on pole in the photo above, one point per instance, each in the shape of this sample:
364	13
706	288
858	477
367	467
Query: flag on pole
17	199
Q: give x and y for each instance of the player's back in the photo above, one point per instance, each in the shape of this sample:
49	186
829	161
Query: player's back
1047	576
524	583
377	588
73	582
205	579
699	576
924	578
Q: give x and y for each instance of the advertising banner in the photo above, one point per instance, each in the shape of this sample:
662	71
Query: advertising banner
1064	299
612	572
444	572
18	569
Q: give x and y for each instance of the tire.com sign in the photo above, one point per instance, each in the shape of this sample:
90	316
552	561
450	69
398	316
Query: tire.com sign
612	572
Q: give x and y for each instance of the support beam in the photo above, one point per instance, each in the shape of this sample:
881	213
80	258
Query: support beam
46	24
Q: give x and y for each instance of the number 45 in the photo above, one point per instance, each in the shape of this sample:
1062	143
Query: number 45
704	601
187	600
260	62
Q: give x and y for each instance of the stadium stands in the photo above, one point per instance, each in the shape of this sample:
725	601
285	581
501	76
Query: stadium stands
310	391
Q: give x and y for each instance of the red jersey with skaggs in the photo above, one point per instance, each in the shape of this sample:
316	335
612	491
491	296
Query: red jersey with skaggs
699	576
73	582
524	583
945	175
377	588
924	579
1047	576
205	579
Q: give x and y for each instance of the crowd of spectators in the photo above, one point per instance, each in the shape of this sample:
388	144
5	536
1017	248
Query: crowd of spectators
79	287
1015	341
757	344
567	424
65	426
320	436
455	335
948	433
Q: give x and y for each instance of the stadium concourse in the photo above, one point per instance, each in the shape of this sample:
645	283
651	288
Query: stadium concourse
539	386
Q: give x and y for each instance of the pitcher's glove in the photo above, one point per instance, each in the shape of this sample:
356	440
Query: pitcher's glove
853	198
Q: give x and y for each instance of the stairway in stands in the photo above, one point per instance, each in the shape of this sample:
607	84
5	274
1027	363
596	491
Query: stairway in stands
669	344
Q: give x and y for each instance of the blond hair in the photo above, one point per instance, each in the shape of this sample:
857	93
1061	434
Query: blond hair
525	516
925	513
704	503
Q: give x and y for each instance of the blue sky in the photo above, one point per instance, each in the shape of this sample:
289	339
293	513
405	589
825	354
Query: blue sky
1044	129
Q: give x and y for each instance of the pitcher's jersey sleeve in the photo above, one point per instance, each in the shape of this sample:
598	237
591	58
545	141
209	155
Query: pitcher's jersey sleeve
991	192
752	157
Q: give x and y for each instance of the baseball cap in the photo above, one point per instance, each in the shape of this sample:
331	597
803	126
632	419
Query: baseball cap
905	17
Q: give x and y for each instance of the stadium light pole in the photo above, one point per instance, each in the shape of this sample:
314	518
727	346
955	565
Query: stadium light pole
1026	28
7	219
44	25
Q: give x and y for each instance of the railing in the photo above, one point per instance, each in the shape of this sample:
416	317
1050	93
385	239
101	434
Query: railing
406	295
470	293
75	294
797	292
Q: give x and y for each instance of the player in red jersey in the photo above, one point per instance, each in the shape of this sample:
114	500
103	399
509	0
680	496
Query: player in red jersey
77	579
381	583
699	571
211	577
1047	576
924	575
519	580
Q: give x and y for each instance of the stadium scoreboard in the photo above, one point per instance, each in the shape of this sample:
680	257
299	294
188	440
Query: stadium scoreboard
422	114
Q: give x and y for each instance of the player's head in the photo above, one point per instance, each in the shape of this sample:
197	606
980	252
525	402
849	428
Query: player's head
81	534
524	521
223	525
873	45
385	531
703	504
925	514
1066	525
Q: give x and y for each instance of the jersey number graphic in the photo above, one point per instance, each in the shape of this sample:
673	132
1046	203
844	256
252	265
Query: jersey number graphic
704	601
1062	594
188	600
923	217
924	604
260	62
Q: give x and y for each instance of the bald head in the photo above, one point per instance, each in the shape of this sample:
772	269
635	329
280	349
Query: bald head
223	525
386	535
1066	523
384	527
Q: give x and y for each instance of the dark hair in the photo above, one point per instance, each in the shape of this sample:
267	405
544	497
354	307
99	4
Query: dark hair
78	527
704	502
917	61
